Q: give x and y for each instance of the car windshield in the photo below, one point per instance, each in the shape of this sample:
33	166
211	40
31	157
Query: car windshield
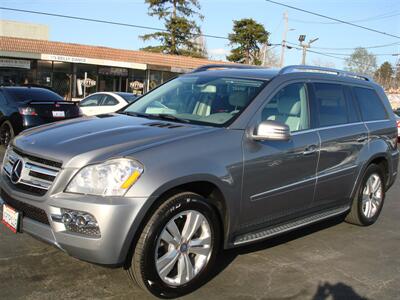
198	99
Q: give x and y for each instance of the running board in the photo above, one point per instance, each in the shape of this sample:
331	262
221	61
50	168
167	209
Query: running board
273	231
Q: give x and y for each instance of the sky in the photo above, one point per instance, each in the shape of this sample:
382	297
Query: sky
383	15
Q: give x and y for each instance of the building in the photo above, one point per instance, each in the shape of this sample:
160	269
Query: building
24	30
75	70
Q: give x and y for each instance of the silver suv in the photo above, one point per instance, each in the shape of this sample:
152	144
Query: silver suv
221	157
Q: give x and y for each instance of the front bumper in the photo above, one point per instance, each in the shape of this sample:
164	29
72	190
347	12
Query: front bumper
117	217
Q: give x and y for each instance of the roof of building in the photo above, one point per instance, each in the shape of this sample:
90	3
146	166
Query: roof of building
12	44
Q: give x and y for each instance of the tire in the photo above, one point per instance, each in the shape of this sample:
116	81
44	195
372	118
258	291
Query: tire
366	212
6	133
169	280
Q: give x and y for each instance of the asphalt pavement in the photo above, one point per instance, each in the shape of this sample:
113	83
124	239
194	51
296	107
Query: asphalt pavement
329	260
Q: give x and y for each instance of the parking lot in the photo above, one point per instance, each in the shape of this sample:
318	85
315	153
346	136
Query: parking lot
330	260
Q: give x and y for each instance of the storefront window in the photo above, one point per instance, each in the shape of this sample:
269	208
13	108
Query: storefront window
83	88
168	75
155	79
44	70
137	81
112	79
62	79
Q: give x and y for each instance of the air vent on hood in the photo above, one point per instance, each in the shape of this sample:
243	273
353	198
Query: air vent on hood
164	125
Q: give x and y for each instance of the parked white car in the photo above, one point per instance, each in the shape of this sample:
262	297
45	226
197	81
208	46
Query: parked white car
105	102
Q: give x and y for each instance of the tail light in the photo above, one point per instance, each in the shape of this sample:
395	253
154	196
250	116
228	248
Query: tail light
27	111
398	124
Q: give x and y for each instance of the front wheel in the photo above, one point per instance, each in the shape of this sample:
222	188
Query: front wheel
368	202
177	247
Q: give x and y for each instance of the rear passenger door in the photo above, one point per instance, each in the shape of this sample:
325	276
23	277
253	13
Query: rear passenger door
342	136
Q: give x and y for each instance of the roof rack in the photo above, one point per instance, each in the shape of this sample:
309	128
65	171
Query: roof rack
315	69
223	66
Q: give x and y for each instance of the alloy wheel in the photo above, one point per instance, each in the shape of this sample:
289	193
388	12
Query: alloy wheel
372	195
183	248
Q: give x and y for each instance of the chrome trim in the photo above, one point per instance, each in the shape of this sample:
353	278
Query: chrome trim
377	121
337	171
326	128
280	188
300	182
41	170
26	178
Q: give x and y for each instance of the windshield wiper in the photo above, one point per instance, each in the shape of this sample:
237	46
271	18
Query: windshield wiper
170	117
135	114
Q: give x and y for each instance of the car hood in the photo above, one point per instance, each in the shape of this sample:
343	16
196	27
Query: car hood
78	142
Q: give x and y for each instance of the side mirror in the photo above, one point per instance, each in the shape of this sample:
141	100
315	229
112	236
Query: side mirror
271	130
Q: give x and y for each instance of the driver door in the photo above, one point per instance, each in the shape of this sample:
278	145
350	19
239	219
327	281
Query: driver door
280	176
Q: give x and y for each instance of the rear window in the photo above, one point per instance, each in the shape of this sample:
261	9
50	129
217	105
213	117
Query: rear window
129	97
33	94
370	104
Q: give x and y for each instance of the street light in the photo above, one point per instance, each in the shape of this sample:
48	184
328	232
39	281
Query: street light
302	38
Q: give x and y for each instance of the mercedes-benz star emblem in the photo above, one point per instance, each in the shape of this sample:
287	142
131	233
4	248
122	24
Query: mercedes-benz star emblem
17	171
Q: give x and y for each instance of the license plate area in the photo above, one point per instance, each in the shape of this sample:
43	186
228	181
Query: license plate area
58	114
11	218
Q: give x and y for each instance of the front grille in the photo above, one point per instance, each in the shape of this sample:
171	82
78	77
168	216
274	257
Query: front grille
40	160
28	211
34	175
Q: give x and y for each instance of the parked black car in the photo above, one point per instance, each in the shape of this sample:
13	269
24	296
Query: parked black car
25	107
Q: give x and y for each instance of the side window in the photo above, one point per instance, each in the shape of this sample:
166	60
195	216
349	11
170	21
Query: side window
109	101
91	101
370	104
289	106
3	100
331	104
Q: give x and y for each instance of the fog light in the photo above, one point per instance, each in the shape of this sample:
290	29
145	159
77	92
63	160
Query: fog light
81	221
78	222
67	218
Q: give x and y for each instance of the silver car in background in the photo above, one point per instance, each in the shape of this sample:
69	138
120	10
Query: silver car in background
218	158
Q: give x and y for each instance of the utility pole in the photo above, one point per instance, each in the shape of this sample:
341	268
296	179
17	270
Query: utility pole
285	30
305	46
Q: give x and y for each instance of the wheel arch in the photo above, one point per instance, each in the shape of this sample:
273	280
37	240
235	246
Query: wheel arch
207	188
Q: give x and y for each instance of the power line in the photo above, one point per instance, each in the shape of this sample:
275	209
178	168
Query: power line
366	47
376	17
100	21
334	19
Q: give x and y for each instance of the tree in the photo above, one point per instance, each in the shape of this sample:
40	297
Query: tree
181	30
361	61
384	73
247	36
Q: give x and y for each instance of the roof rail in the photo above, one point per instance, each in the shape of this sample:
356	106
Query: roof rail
303	68
223	66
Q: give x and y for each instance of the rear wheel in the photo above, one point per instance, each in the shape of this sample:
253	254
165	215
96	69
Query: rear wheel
178	247
368	202
6	133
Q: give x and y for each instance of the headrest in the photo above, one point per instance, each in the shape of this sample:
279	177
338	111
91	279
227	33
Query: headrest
289	106
209	89
238	99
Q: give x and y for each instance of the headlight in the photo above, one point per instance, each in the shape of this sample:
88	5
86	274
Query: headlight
111	178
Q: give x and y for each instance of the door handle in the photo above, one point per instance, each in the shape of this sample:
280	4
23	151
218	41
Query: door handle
362	139
310	150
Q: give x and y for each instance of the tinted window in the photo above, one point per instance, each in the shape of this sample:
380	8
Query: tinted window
352	109
32	94
370	104
93	100
289	106
331	104
109	101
